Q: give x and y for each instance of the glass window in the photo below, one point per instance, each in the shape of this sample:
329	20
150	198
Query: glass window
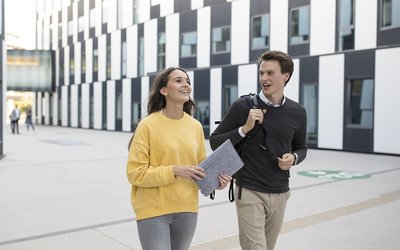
137	8
108	61
83	61
95	60
161	50
59	31
136	110
119	105
260	32
229	95
202	113
189	44
299	25
361	103
141	56
124	58
390	13
221	40
309	97
346	25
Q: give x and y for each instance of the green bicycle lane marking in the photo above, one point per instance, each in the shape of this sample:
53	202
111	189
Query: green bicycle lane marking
334	174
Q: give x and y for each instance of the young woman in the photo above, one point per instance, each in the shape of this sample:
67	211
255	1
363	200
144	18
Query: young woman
163	163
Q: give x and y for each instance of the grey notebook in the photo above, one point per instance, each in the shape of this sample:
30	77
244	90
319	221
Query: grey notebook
224	160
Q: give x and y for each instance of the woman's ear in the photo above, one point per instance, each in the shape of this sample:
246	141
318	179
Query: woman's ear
163	91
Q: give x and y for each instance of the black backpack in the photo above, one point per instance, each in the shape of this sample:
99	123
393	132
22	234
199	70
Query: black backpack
252	102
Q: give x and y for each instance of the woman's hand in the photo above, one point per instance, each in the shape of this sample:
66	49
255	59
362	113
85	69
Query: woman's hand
193	172
223	179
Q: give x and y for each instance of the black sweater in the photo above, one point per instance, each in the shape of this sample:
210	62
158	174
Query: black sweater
284	130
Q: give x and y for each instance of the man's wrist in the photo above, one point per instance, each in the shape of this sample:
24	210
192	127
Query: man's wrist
241	132
295	158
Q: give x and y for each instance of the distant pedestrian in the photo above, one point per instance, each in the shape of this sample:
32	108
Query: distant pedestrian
14	117
28	120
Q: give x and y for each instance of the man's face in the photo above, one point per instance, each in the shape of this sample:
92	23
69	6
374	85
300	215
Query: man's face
272	81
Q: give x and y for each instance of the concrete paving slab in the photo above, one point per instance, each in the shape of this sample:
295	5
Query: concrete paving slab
66	188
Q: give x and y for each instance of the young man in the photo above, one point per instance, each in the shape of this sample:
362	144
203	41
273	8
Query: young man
262	186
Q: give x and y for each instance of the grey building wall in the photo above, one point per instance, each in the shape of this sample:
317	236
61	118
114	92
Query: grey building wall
105	65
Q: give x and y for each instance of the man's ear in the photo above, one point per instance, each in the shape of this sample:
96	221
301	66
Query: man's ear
286	76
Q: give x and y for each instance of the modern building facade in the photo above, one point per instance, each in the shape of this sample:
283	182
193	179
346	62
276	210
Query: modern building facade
346	55
2	77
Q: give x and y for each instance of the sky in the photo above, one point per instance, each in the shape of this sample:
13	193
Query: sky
20	21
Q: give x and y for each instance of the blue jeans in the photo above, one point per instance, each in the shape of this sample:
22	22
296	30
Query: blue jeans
167	232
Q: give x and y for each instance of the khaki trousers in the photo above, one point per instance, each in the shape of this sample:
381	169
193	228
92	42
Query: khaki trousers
260	218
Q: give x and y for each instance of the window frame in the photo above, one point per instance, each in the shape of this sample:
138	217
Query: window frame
189	44
291	26
252	31
382	17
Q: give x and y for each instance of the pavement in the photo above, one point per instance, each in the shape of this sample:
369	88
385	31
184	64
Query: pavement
66	188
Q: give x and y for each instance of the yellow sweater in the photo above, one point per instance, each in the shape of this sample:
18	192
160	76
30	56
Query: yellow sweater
158	144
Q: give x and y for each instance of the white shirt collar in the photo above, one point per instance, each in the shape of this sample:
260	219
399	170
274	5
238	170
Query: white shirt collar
268	102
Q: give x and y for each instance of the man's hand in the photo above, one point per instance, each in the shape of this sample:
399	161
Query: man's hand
254	115
286	162
223	179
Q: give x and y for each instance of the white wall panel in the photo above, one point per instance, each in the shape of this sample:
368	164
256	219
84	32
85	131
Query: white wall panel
279	25
77	61
240	31
64	107
145	90
126	104
86	17
85	107
74	106
39	36
247	79
116	55
46	108
112	16
99	21
131	51
64	21
150	46
365	24
196	4
192	83
57	66
322	27
55	31
216	93
75	22
89	60
66	65
38	100
54	104
127	13
330	101
102	50
386	111
166	7
3	97
46	33
97	105
110	105
172	41
203	37
292	87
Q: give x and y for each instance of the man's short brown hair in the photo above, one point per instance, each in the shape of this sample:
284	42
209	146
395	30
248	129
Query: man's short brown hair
285	61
